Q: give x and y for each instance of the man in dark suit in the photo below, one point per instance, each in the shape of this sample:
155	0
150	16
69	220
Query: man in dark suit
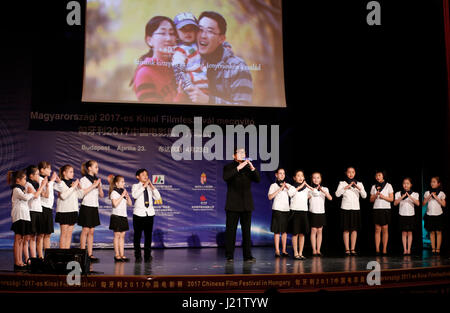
239	175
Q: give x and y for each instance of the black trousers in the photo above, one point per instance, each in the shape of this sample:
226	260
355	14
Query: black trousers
230	233
142	224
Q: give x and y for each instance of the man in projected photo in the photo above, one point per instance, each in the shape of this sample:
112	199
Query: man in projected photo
229	79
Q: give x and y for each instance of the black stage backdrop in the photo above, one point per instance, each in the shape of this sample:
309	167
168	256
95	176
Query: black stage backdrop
368	96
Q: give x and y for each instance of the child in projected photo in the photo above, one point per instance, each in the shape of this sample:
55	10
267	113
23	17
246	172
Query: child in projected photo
186	61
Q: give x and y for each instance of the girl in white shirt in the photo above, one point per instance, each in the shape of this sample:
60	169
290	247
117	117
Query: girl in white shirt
434	221
299	224
317	217
407	220
35	206
47	200
278	192
20	214
381	195
67	204
88	217
350	190
119	221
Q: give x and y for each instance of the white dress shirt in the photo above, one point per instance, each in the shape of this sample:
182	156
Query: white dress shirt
121	208
299	199
350	196
406	206
317	200
34	204
68	198
281	200
434	208
20	209
381	203
137	192
48	202
91	198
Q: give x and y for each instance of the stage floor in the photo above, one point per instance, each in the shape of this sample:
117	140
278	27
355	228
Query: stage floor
211	261
206	270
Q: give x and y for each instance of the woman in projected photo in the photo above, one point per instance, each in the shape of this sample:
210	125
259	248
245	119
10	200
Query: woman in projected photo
154	79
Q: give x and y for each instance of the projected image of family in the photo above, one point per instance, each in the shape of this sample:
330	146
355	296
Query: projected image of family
199	52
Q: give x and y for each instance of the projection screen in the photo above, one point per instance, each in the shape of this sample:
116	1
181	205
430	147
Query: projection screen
198	52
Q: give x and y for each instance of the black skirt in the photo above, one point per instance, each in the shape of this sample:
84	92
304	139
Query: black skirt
434	222
350	220
36	222
47	221
68	218
298	223
279	222
88	216
118	223
406	223
21	227
381	217
317	220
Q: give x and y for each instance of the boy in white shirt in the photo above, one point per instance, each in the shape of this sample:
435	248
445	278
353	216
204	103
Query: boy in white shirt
143	213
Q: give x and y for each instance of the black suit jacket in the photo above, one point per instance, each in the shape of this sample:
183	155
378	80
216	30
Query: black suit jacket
239	195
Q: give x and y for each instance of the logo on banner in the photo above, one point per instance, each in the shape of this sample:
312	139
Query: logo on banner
203	205
204	184
203	178
158	179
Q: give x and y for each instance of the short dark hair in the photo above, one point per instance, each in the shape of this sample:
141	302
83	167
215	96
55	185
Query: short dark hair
140	171
409	179
383	172
43	164
299	170
238	148
221	23
31	169
12	176
438	179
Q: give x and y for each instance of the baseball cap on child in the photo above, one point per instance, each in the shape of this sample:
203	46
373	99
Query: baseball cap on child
184	19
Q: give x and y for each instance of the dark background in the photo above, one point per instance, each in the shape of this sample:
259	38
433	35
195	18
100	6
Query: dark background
374	97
